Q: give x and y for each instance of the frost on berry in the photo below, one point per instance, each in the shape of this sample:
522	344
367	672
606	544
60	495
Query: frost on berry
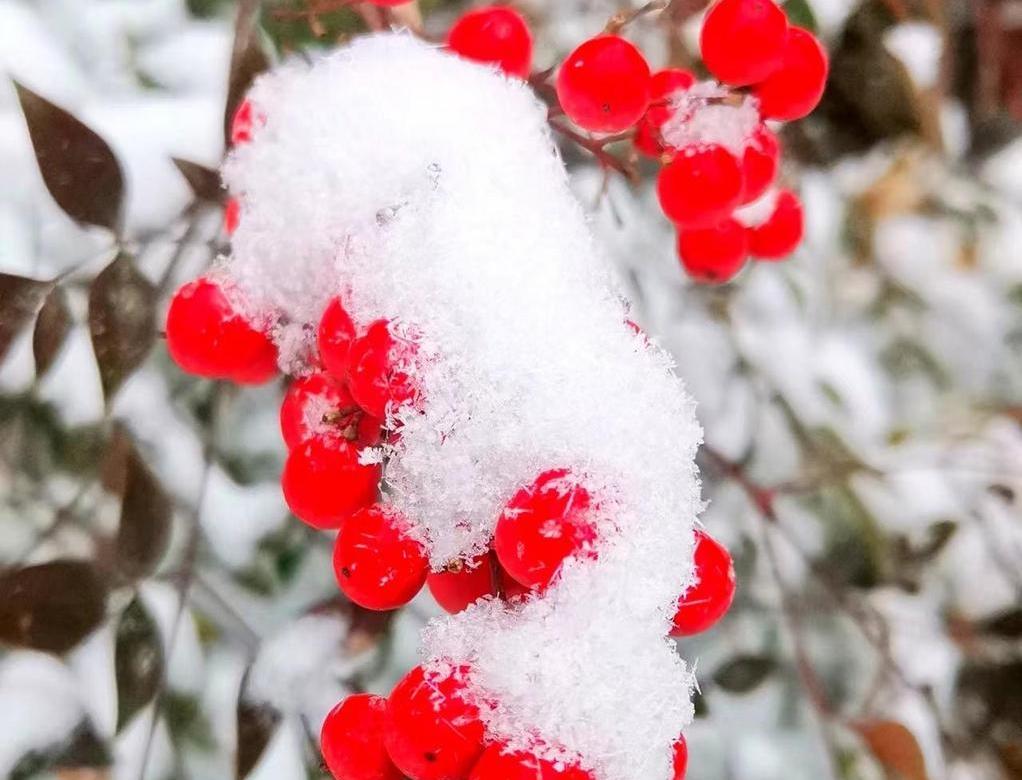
468	230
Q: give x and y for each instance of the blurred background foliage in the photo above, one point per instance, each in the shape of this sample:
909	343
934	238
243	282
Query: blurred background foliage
161	616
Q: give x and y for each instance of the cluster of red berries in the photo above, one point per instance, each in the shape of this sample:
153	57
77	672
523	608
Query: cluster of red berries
605	86
428	729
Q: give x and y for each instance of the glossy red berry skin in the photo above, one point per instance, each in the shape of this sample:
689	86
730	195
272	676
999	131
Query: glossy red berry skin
604	85
742	41
680	758
496	34
700	186
496	764
387	3
377	374
312	404
713	255
759	163
710	597
232	215
795	88
431	732
207	337
781	234
351	740
544	523
334	335
377	565
324	483
463	583
664	84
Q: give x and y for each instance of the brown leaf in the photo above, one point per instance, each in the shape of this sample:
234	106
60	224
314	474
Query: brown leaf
257	721
895	747
138	662
744	673
51	329
122	321
78	167
248	60
51	606
20	298
144	532
204	182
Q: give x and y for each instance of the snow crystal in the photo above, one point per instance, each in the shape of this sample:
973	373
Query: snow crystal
427	190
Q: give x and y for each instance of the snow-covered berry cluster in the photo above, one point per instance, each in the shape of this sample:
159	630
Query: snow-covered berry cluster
720	157
465	410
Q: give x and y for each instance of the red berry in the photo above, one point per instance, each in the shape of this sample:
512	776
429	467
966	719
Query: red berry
334	335
387	3
742	41
781	234
795	88
759	163
244	120
324	483
494	34
680	758
431	731
232	215
312	404
700	186
207	336
664	84
352	740
496	764
462	583
377	369
603	85
377	565
511	590
544	523
713	255
710	597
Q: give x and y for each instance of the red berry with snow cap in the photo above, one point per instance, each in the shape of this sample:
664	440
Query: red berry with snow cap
664	86
463	583
496	34
701	186
207	336
351	740
544	523
497	764
711	595
742	41
312	404
782	232
378	364
324	483
431	731
604	84
377	564
334	335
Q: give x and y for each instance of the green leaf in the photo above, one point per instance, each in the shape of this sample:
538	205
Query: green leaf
122	321
51	606
138	662
78	167
799	13
744	673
